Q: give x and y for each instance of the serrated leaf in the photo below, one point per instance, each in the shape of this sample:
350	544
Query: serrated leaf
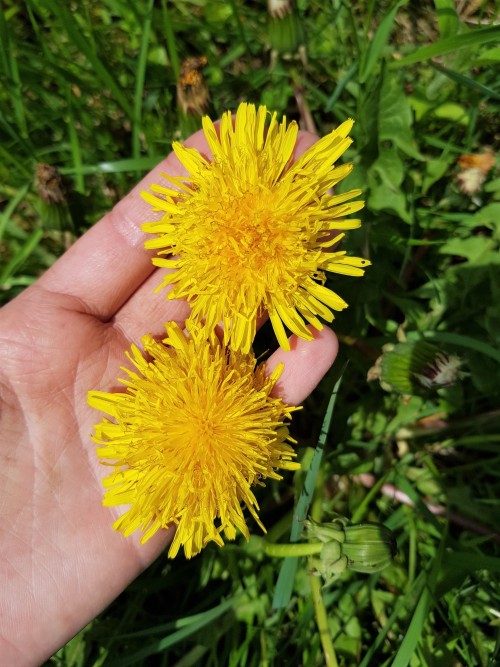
395	117
383	197
390	168
476	249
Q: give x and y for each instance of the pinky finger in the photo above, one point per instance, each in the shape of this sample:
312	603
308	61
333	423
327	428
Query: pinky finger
305	365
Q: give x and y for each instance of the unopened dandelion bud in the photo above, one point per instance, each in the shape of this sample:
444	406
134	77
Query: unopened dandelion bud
364	547
369	547
286	32
413	366
324	532
279	8
331	561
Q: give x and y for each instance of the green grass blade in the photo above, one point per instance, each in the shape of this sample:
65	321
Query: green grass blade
373	53
340	87
416	589
116	166
11	207
204	619
71	27
140	76
284	585
76	152
239	26
447	17
424	605
4	44
22	255
412	636
10	66
448	45
466	81
460	341
170	37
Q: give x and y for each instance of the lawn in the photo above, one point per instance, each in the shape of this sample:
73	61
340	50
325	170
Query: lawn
405	429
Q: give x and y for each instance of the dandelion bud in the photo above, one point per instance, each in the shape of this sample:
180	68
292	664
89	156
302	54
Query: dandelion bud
324	532
279	8
364	547
369	547
286	33
331	561
409	367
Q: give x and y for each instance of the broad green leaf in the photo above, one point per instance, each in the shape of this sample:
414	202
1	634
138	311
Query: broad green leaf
420	105
395	117
453	112
487	216
390	168
476	249
383	197
434	170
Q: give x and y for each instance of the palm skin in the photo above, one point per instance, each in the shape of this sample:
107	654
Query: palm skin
61	562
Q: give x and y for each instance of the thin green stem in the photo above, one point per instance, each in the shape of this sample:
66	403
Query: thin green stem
372	493
322	623
170	39
140	76
284	550
239	26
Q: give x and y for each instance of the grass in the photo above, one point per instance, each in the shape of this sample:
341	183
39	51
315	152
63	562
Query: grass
90	88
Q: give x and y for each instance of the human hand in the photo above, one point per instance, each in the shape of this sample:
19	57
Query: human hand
61	562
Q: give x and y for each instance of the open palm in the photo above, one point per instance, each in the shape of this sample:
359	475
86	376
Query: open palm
60	561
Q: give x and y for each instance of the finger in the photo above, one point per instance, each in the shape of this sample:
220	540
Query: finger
305	365
109	262
147	311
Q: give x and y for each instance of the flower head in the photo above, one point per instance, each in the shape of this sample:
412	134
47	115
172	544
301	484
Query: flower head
194	430
252	232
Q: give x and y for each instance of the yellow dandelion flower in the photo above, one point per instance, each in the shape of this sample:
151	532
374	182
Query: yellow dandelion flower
251	232
194	430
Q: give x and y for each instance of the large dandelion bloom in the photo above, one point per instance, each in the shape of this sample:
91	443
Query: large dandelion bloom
251	232
194	430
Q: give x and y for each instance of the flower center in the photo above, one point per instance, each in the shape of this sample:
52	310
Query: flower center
247	233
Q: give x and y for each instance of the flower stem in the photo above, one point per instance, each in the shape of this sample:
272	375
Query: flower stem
322	623
284	550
